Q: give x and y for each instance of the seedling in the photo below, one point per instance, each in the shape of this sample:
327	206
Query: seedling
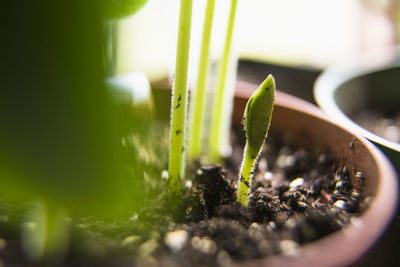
178	102
198	109
256	121
218	118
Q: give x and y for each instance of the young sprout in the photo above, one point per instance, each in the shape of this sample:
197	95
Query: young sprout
178	103
198	108
257	118
219	114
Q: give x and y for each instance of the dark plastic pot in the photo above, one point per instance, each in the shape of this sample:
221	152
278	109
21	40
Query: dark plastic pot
367	81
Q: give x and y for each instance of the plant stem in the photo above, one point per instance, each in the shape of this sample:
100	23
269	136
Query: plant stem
179	97
215	137
245	177
198	109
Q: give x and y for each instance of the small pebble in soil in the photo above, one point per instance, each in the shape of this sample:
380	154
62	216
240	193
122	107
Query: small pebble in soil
268	176
340	204
188	183
131	240
360	178
199	172
176	240
289	247
203	244
296	183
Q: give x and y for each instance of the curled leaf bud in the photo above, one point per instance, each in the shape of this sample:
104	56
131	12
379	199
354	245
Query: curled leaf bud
256	121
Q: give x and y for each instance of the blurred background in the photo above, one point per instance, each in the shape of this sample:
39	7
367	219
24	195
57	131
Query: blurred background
308	35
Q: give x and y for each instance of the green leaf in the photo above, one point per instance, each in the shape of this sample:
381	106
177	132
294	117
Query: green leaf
257	118
257	115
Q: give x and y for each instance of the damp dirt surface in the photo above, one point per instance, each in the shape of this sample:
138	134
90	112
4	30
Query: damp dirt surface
297	197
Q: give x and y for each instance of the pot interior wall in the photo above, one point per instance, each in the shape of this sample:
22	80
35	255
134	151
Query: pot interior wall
376	90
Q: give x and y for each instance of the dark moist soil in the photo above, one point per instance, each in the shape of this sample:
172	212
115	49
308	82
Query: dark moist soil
297	197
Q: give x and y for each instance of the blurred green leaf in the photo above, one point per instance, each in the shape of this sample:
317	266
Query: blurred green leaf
112	9
58	136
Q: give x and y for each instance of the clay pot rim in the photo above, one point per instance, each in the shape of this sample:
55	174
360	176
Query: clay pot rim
347	245
341	72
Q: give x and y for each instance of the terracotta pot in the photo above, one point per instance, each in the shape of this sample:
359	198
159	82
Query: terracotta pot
303	119
366	81
314	129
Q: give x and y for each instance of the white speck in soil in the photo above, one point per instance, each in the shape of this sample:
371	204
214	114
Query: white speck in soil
339	184
199	172
176	240
188	183
268	176
296	183
289	247
355	195
272	225
340	204
204	244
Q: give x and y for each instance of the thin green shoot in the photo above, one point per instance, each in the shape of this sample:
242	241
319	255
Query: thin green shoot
179	98
218	107
198	108
257	118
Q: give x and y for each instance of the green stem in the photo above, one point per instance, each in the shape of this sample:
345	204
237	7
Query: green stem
215	137
178	102
198	107
246	176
